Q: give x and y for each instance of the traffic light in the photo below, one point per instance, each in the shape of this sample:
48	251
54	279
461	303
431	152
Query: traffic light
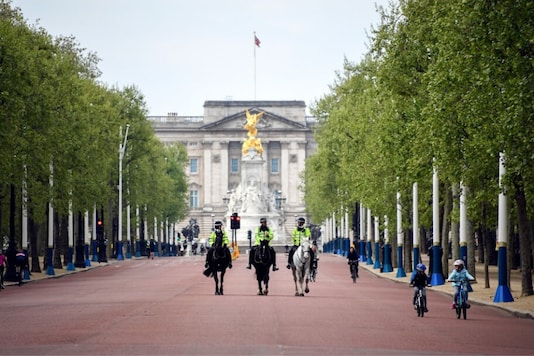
99	229
235	221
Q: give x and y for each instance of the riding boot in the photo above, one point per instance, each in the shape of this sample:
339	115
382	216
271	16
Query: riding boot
209	255
229	256
290	258
250	257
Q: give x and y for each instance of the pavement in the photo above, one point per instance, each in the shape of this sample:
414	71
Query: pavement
521	307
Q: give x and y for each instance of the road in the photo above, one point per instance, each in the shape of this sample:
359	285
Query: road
166	306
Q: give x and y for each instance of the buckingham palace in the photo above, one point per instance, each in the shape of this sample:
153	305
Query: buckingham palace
221	170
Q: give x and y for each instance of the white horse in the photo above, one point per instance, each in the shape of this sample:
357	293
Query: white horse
301	267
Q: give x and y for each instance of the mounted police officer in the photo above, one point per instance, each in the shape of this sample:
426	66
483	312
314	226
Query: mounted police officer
262	233
300	232
225	242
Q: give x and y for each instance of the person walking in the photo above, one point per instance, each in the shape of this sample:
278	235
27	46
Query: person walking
20	264
3	265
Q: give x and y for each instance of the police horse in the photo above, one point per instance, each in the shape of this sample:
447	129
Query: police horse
218	263
301	267
262	261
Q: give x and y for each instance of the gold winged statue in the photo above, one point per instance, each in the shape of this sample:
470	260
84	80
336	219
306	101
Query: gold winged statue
252	141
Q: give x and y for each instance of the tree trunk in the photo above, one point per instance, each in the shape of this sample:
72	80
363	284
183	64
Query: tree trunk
445	228
408	243
58	238
455	238
485	245
34	229
524	241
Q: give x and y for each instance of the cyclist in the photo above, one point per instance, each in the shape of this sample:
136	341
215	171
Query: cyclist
353	258
457	277
419	281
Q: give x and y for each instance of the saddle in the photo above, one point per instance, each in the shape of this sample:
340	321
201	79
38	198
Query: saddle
262	254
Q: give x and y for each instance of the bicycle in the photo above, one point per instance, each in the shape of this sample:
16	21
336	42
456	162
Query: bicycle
461	305
354	270
420	305
313	274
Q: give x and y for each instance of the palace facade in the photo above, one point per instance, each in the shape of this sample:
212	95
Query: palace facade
214	144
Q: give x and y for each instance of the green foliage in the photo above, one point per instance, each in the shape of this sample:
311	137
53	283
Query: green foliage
450	81
55	113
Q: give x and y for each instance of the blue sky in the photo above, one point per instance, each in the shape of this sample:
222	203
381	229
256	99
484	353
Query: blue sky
181	53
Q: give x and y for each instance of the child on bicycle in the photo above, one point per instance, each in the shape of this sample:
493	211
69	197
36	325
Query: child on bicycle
353	258
419	281
458	276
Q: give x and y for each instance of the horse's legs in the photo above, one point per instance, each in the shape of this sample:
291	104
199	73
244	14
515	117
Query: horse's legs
216	278
266	282
296	283
307	278
222	280
260	290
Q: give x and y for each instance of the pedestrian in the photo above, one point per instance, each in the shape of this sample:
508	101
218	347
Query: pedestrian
20	264
152	248
262	233
3	265
147	248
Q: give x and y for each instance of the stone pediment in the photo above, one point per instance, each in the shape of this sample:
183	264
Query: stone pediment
268	120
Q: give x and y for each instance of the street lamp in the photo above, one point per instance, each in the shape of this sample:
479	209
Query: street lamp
122	149
279	200
212	222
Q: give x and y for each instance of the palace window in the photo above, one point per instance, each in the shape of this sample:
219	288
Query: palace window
193	165
193	199
275	165
234	165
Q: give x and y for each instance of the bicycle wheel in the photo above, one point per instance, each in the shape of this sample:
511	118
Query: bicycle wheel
419	303
353	273
422	305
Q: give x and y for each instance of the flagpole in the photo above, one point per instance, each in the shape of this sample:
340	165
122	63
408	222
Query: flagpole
254	44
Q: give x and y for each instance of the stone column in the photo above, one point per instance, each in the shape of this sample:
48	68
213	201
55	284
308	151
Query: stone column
206	169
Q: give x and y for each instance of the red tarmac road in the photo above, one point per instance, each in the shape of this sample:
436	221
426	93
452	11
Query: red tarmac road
166	306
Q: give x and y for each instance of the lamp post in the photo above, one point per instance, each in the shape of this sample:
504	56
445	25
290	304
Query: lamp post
212	222
122	149
279	200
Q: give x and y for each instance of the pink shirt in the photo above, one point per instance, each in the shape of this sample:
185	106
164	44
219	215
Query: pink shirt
2	259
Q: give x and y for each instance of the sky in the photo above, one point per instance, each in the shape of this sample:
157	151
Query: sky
181	53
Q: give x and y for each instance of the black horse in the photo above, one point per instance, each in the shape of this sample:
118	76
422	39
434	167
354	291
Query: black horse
218	262
262	262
